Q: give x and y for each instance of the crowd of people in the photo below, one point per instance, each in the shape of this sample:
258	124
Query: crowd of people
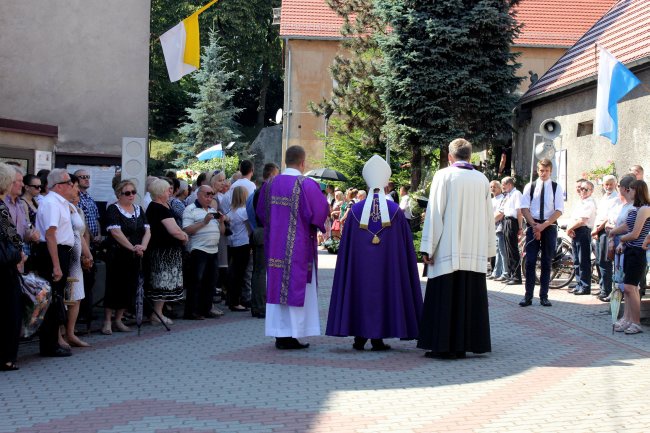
256	246
617	224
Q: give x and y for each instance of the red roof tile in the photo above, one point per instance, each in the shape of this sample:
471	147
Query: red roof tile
623	31
309	19
557	23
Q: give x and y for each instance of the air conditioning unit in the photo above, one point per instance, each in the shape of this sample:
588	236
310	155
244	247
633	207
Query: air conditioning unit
277	12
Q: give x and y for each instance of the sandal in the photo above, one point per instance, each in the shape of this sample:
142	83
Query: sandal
106	330
621	325
633	329
9	366
121	326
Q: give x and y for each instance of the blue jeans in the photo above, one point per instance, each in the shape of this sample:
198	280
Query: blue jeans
606	266
500	262
582	257
547	243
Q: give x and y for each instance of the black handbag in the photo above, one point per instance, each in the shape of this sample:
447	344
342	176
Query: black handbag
9	254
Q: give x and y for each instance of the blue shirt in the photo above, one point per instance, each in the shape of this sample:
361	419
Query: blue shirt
88	206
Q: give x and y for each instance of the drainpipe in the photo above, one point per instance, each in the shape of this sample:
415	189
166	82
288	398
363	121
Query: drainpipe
288	107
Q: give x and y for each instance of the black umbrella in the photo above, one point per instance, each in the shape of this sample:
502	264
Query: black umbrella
327	174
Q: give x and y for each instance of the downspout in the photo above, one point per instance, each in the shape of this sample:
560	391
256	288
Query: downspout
288	107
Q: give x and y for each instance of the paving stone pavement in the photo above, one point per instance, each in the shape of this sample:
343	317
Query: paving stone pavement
551	369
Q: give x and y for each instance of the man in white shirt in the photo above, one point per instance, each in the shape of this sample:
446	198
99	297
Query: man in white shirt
583	218
204	226
542	203
510	213
53	222
608	201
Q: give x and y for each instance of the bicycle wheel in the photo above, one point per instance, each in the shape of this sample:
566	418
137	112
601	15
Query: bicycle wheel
562	271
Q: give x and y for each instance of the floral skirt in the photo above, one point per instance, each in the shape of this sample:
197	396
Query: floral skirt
165	274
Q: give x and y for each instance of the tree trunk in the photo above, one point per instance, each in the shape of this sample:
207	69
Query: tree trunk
416	166
264	87
444	152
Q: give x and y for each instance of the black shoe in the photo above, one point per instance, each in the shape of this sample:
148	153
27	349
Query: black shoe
513	282
544	302
378	345
258	315
445	355
572	287
604	298
359	343
289	343
59	352
582	291
525	302
10	366
193	316
211	315
238	309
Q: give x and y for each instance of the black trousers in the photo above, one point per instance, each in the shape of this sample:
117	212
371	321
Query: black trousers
11	314
55	316
258	281
202	277
510	231
239	262
547	243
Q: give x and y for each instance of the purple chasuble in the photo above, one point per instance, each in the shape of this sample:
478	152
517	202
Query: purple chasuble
291	208
376	291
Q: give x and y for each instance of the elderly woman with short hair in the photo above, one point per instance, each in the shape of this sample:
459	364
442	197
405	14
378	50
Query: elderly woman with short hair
165	256
10	294
128	241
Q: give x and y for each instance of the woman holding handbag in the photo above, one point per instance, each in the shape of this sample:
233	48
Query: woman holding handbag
11	256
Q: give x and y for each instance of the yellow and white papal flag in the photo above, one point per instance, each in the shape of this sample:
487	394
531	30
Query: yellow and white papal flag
181	46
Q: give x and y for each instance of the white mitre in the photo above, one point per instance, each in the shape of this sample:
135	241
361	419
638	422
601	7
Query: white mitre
376	173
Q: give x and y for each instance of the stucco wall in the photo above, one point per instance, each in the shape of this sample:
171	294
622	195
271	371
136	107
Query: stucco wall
585	153
310	81
82	65
536	59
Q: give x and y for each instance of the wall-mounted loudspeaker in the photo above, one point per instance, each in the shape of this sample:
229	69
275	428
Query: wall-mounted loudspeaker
134	163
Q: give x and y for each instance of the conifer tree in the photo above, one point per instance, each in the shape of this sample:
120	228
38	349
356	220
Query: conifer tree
448	71
210	121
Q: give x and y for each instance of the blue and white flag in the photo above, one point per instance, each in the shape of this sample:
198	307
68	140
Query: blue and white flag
614	82
215	151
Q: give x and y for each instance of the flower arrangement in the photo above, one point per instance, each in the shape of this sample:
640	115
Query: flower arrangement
332	245
187	175
596	174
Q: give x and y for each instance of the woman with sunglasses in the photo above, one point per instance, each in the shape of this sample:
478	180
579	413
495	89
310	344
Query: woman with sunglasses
128	240
635	229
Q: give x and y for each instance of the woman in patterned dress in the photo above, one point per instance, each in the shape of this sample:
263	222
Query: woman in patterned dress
165	255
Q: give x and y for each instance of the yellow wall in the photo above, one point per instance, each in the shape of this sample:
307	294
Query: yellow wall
310	81
538	60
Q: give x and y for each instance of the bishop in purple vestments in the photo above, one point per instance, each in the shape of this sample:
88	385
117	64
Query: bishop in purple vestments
376	292
291	207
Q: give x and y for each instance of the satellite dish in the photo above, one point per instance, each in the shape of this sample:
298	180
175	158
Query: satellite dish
278	116
230	145
545	150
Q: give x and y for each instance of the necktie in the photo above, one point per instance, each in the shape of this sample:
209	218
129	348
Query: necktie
541	204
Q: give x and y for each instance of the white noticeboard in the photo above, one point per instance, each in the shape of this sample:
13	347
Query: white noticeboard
560	167
42	160
101	180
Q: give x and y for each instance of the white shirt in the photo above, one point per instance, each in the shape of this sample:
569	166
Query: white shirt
239	227
146	201
585	209
605	205
405	205
551	204
55	211
512	203
207	237
225	199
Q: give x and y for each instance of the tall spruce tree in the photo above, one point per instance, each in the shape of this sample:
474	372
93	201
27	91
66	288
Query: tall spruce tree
211	120
448	72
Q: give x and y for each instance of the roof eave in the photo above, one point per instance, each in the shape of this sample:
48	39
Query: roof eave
635	66
313	38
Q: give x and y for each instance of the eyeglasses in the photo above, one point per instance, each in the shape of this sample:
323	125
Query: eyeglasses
84	176
129	193
65	182
211	194
35	186
584	189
